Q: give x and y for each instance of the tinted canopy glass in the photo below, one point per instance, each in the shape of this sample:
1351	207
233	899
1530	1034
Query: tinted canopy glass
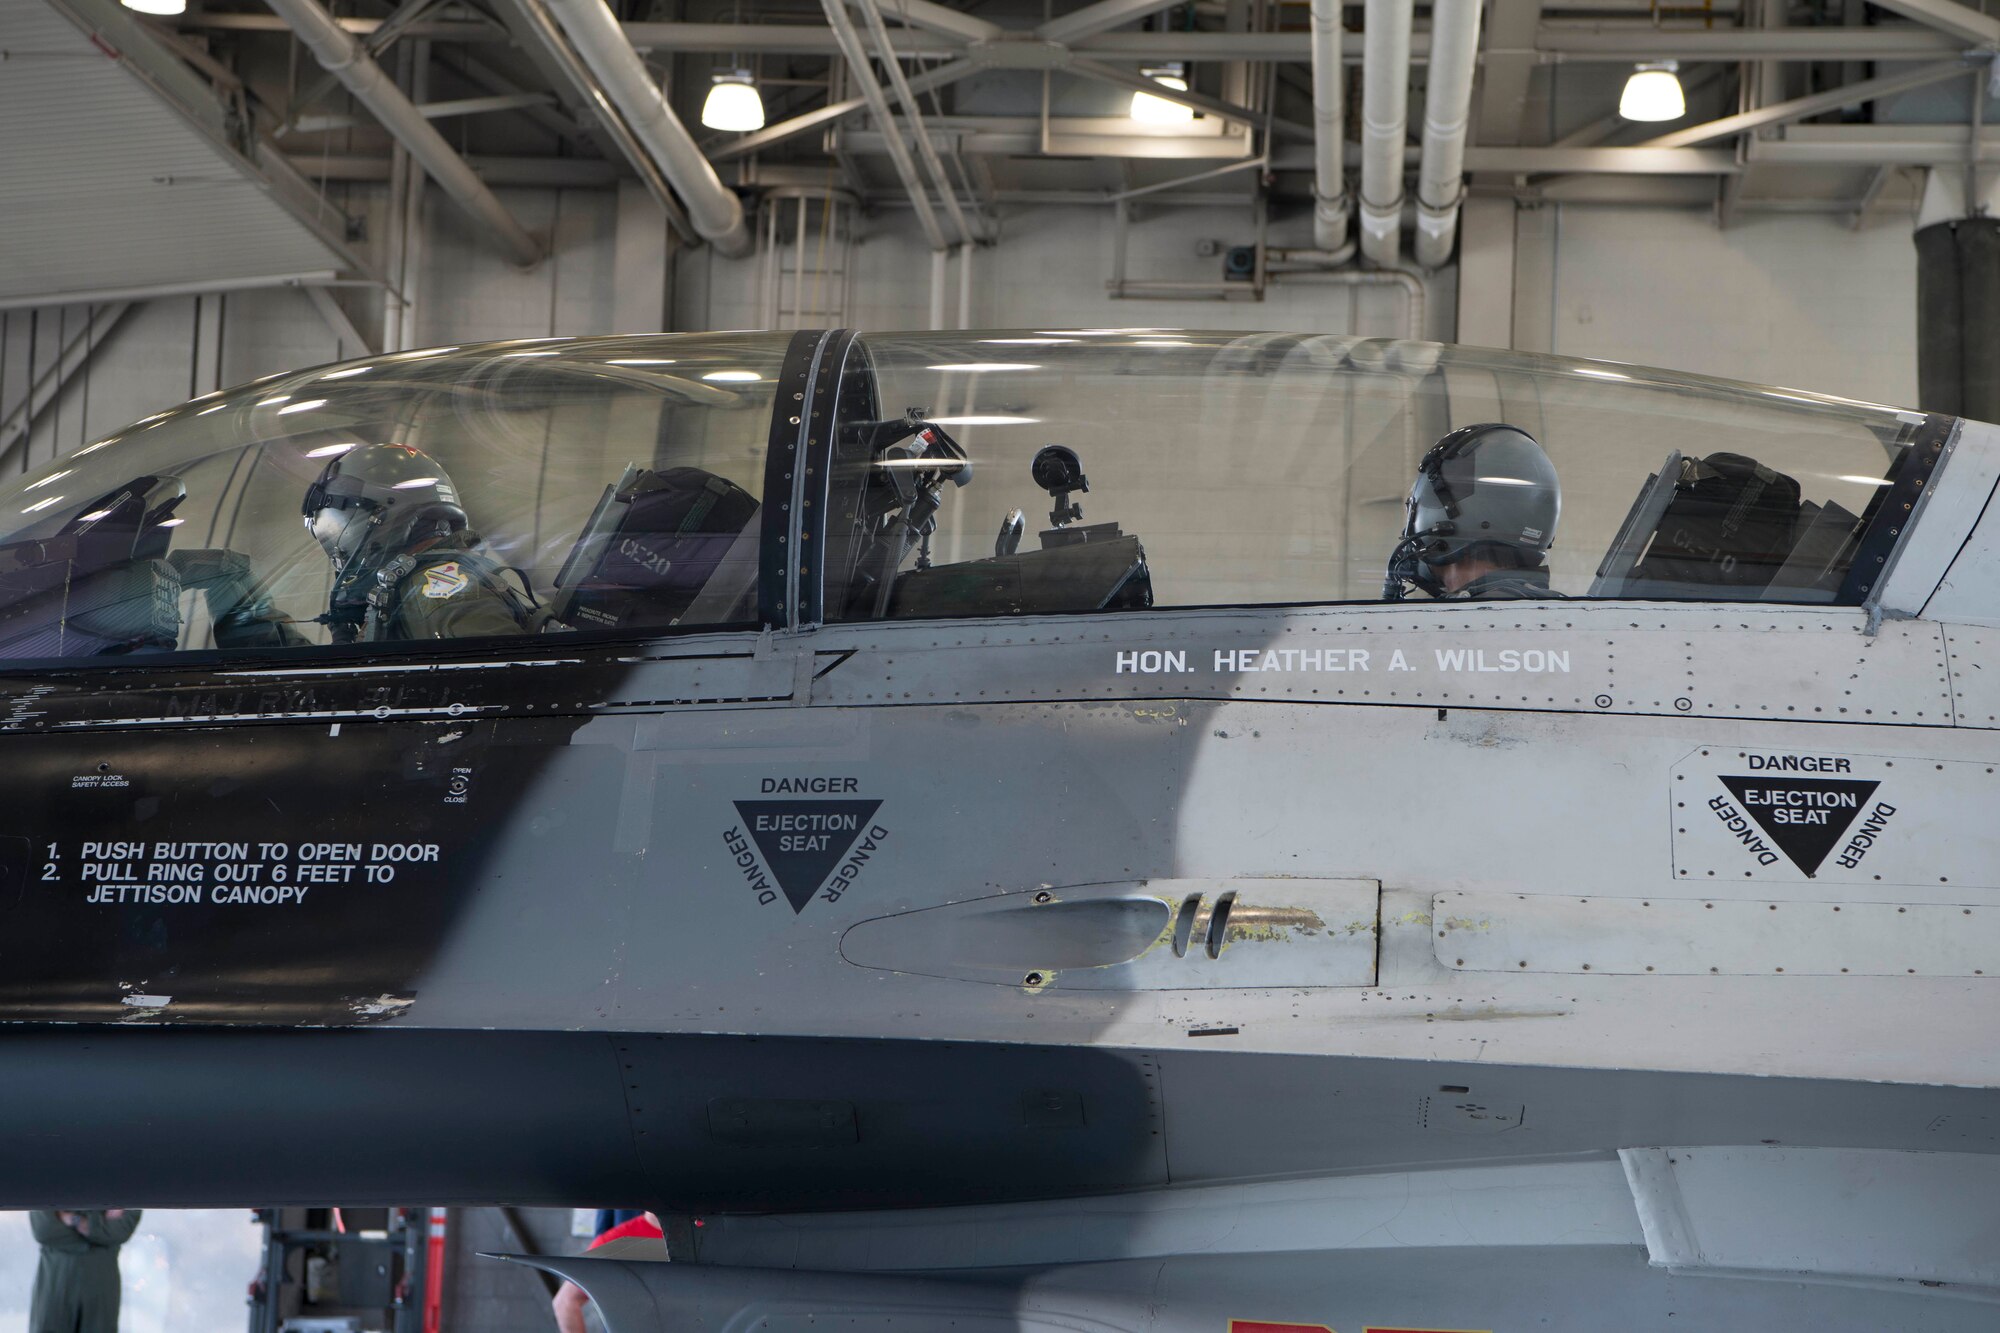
515	488
617	485
1209	468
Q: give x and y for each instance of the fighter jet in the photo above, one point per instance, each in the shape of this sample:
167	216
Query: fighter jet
1042	829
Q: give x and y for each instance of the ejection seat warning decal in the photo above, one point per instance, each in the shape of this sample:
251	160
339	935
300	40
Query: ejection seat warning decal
809	846
1858	819
1804	816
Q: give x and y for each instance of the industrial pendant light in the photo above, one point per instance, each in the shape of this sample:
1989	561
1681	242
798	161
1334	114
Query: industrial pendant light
1653	92
163	8
734	102
1151	110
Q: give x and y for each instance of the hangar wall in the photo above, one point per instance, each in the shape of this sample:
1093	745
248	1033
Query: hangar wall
1794	300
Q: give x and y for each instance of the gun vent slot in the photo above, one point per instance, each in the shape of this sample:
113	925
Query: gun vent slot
1184	923
1218	923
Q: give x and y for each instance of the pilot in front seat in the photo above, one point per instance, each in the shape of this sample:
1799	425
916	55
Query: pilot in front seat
405	563
1479	519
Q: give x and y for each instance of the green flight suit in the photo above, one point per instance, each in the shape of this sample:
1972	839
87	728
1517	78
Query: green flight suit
77	1287
450	589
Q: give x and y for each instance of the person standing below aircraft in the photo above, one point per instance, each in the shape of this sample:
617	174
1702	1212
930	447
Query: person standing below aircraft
77	1287
630	1239
1479	519
406	565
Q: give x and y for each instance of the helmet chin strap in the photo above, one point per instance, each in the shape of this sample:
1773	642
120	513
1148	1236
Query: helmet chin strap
1408	570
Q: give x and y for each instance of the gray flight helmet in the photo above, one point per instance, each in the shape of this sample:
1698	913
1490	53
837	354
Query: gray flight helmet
1486	490
373	497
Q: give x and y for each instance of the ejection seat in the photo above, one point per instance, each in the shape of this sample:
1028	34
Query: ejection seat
662	548
1729	528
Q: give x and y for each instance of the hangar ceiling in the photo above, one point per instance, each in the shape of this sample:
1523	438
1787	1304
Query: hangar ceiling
113	186
1792	105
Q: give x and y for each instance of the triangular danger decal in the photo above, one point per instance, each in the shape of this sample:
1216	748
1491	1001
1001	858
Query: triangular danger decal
1804	816
802	841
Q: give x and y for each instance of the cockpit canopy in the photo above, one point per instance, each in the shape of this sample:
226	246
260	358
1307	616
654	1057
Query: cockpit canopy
650	485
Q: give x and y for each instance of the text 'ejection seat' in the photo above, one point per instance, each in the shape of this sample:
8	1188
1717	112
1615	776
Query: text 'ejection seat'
662	548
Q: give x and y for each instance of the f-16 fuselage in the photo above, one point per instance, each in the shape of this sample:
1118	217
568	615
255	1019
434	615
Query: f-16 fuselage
920	876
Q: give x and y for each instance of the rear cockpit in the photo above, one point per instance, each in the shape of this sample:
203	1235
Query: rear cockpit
657	484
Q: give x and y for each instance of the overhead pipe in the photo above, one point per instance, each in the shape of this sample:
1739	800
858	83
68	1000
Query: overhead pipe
1385	111
343	57
549	33
1447	114
1330	200
712	208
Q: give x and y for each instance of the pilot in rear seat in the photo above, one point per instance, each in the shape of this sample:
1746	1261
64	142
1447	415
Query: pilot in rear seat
1479	519
405	563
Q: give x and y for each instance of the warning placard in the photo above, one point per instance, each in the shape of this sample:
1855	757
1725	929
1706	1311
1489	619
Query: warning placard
804	842
1805	817
1764	815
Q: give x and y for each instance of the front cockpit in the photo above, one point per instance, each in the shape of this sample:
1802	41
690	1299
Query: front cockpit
657	484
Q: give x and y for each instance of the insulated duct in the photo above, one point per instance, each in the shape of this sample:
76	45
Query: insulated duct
1447	109
1385	109
343	57
1330	203
713	210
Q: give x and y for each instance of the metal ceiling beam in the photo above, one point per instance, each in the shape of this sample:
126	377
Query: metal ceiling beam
833	111
1960	21
463	106
1798	108
343	56
937	18
1100	17
1139	83
1572	43
546	172
914	118
1871	146
1565	41
863	75
1604	161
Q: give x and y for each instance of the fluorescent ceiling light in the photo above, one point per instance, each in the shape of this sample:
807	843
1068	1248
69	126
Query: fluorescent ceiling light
307	406
986	421
1863	481
1601	374
733	102
53	476
329	450
1150	110
1653	92
640	361
1026	342
986	365
170	522
732	376
164	8
413	483
41	504
344	374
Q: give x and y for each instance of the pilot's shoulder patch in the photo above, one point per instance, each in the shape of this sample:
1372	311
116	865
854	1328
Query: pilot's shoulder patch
446	580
